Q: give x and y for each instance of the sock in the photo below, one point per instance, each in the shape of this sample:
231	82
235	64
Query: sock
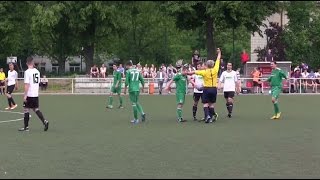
212	112
40	115
229	107
110	100
26	119
276	108
12	101
179	113
9	102
139	107
135	111
121	100
206	112
194	111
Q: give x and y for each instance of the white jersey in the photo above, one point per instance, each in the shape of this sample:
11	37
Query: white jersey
32	77
229	80
12	77
198	81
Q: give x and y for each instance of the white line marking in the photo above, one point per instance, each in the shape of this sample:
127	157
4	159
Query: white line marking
12	112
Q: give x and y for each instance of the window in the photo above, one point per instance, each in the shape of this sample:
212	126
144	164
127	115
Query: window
55	68
74	67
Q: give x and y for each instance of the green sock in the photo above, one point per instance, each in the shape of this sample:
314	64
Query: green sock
135	112
121	100
179	113
276	108
139	107
110	100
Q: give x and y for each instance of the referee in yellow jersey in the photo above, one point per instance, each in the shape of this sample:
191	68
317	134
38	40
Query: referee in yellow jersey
2	81
210	77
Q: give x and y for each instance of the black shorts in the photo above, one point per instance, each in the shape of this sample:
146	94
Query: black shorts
197	96
2	84
255	84
228	94
10	89
32	103
209	95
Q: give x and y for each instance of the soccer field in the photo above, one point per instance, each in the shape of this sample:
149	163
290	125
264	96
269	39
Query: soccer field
87	141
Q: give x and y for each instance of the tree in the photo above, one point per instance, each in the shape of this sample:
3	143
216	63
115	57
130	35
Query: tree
51	31
228	14
93	22
15	23
302	33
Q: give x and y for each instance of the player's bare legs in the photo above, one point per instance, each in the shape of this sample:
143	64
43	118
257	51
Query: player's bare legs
229	104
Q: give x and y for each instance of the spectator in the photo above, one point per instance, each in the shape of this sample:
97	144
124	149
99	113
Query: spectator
238	77
121	69
139	67
269	56
244	57
191	68
164	68
170	75
94	72
222	67
153	71
161	75
311	81
103	71
2	81
173	69
296	68
317	76
195	58
256	75
43	83
304	66
146	71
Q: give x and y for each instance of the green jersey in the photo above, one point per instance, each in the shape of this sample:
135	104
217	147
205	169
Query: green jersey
116	77
276	77
133	80
181	83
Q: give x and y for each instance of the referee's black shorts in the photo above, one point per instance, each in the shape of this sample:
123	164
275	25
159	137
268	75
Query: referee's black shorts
209	95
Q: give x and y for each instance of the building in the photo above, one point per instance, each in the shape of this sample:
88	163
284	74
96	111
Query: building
73	64
260	42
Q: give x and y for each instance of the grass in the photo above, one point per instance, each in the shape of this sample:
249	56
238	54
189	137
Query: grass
86	141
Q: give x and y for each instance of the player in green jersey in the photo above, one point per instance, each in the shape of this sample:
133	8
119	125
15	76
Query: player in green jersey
133	80
181	87
116	87
276	86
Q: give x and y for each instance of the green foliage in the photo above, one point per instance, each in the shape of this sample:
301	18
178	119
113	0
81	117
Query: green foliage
302	33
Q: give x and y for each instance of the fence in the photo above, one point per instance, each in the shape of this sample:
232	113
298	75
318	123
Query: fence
103	86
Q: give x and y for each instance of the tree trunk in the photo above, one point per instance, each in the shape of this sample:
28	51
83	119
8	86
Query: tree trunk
62	65
210	42
88	56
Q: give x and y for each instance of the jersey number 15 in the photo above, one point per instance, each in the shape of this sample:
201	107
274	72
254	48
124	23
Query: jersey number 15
36	78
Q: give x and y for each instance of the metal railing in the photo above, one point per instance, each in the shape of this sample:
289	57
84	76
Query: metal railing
103	86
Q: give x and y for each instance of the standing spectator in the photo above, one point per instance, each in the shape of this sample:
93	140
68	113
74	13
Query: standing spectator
153	70
173	69
121	69
103	71
244	57
269	56
161	75
256	75
222	67
304	66
2	81
164	68
146	71
139	68
195	58
43	83
170	75
94	72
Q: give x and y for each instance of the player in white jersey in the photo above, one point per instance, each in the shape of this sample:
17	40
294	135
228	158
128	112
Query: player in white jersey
229	82
12	84
31	95
197	82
